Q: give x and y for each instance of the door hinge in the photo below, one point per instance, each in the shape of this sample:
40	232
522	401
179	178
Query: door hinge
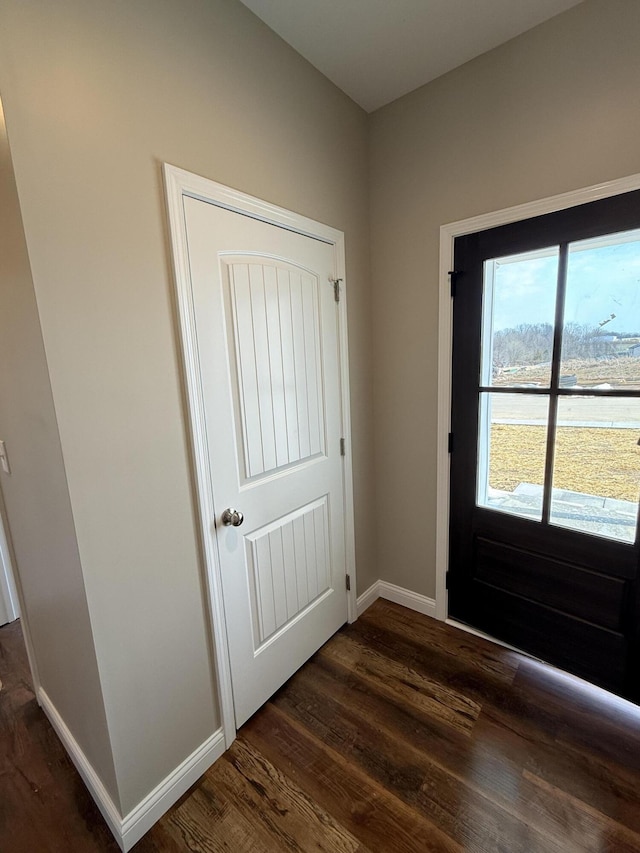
446	581
450	443
336	288
348	582
343	447
453	278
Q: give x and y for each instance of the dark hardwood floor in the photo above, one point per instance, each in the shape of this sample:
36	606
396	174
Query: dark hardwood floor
400	734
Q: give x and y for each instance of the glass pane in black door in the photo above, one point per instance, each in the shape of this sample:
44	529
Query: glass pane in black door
518	311
512	441
601	332
596	475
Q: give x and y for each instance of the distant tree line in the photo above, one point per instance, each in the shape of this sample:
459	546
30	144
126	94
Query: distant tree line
532	343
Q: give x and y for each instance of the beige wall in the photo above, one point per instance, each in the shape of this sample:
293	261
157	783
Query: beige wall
553	110
36	499
97	95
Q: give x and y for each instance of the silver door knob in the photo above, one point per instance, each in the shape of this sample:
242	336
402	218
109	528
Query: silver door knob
231	517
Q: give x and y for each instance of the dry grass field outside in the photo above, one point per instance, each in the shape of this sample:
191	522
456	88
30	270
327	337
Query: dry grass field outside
590	460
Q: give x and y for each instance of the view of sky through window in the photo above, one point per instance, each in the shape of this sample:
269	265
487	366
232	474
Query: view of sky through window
603	300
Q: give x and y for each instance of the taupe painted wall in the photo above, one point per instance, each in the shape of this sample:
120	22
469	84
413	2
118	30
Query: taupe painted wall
555	109
97	94
35	499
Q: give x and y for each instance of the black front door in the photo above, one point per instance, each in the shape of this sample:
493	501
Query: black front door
545	463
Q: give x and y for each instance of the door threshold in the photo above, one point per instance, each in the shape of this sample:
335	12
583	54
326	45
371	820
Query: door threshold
477	633
563	673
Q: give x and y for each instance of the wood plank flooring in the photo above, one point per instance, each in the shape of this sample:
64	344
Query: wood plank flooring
401	735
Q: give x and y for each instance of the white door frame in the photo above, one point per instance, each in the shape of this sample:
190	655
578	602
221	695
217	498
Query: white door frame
180	183
448	234
8	558
8	591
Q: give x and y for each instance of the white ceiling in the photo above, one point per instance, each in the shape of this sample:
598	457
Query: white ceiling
378	50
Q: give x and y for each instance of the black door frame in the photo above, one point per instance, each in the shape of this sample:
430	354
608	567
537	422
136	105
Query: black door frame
448	234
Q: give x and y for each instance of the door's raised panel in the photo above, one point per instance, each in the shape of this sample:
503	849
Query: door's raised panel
570	643
276	331
568	587
289	567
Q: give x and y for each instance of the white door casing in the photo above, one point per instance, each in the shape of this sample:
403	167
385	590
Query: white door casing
9	607
264	344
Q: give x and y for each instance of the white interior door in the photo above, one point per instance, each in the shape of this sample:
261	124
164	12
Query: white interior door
268	348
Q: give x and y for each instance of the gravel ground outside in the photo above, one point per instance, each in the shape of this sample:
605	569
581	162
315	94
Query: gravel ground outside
619	372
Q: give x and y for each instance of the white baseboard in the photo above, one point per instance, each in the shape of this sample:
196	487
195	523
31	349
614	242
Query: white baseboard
108	808
367	598
169	791
129	830
399	595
